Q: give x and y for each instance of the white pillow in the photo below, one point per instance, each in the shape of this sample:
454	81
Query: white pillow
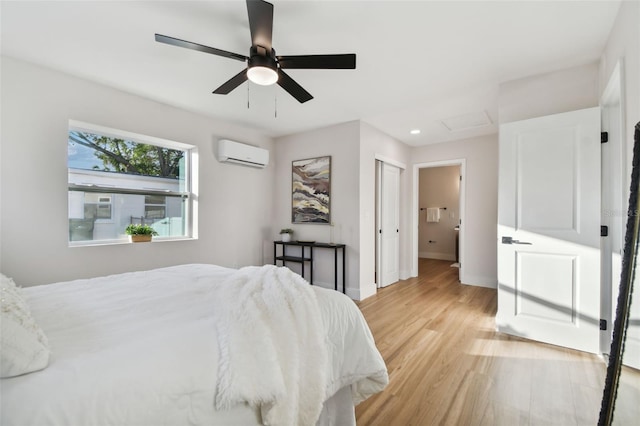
24	347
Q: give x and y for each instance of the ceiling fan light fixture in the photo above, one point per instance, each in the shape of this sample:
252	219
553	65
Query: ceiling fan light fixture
263	76
262	69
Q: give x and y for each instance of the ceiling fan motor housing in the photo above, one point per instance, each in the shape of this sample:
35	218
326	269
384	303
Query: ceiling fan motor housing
262	57
262	66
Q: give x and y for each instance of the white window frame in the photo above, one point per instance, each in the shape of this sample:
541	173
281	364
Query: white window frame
190	180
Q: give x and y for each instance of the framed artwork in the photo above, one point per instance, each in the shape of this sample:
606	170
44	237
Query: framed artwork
311	190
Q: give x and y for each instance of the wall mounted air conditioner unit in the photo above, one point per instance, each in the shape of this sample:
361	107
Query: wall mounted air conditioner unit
239	153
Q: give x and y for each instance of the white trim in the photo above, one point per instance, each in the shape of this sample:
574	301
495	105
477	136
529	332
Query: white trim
122	241
462	162
353	293
391	161
612	162
191	173
489	282
366	291
437	256
378	276
405	274
123	134
361	293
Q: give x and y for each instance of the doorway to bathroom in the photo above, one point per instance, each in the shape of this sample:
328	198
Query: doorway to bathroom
439	217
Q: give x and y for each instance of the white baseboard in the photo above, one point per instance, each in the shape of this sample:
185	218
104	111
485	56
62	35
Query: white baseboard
405	274
368	291
330	286
360	293
489	282
353	293
437	256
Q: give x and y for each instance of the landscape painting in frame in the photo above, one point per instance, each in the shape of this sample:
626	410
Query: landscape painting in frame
311	188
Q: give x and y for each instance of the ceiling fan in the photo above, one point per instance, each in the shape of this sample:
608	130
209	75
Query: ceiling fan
263	66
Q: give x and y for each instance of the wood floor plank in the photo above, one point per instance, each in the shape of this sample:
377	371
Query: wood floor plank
448	366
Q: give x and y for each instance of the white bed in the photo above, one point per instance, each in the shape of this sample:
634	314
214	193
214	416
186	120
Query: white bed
144	348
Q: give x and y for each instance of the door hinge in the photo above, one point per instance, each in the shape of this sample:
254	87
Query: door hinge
604	231
603	324
604	137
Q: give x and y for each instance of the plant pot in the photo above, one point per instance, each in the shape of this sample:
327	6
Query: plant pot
286	238
140	238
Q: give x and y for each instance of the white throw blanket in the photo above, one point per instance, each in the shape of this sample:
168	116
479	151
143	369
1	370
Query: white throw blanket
273	327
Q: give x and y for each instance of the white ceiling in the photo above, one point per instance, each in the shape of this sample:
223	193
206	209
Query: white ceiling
418	62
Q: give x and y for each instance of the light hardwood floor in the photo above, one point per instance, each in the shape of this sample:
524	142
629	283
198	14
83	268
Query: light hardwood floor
448	366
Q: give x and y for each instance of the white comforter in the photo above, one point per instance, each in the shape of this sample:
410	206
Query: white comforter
141	349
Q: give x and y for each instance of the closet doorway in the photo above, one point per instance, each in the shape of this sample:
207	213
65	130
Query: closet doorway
439	213
387	224
389	174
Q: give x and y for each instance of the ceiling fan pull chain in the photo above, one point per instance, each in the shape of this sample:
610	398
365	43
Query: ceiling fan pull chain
275	107
248	85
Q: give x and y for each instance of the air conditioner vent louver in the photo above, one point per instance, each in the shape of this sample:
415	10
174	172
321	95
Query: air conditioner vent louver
239	153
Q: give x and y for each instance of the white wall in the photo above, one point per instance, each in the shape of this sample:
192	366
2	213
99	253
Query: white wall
375	143
546	94
438	187
353	147
234	201
624	43
481	202
341	143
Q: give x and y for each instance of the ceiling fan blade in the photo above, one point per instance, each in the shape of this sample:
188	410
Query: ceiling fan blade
232	83
195	46
293	88
260	22
345	61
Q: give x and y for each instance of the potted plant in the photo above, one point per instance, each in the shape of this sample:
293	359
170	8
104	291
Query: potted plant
140	233
286	234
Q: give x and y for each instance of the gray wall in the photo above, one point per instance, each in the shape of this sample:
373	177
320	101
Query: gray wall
341	142
234	201
479	252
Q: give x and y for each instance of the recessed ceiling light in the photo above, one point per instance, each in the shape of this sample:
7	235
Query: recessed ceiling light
415	132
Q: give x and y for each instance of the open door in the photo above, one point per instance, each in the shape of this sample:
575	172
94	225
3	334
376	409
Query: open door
549	229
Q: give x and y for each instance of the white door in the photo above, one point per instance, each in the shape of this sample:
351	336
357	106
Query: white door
389	231
549	229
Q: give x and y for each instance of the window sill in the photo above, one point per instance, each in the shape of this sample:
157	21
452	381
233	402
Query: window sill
73	244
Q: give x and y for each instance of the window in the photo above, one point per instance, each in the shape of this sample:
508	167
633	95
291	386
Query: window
117	178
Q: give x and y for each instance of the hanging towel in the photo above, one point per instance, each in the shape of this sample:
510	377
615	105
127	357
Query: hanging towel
433	214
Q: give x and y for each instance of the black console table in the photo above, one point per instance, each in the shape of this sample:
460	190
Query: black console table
306	255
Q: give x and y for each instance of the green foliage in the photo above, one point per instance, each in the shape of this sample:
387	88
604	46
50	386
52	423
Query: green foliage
123	156
286	231
140	230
